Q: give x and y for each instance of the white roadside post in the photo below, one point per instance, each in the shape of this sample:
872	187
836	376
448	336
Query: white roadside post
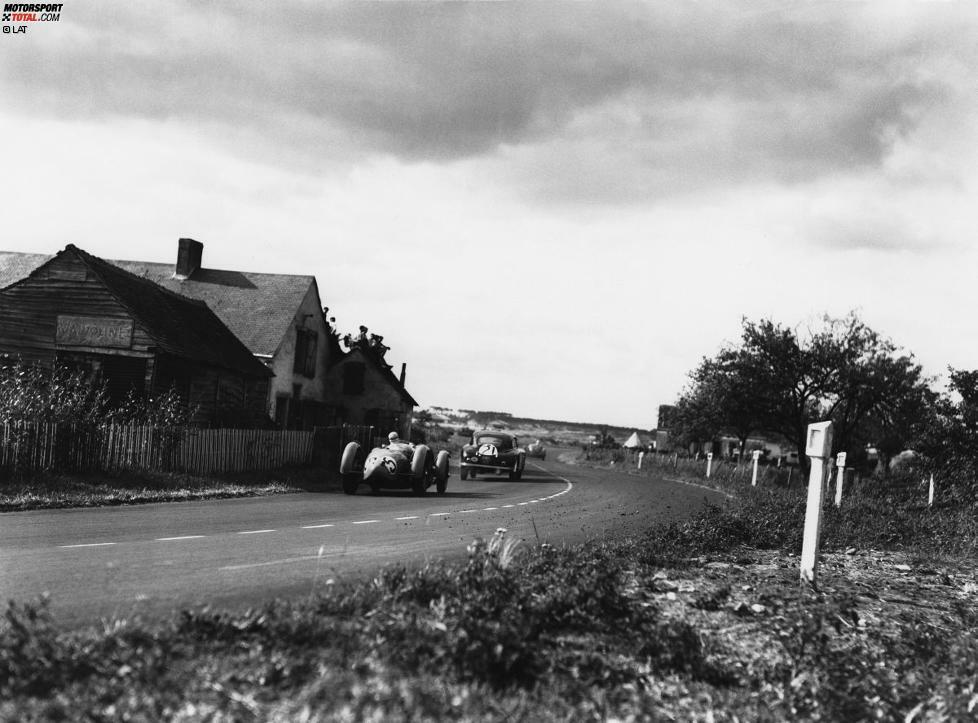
756	454
840	464
818	449
709	463
640	456
930	491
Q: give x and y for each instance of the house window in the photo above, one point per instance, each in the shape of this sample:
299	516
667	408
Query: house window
353	378
305	353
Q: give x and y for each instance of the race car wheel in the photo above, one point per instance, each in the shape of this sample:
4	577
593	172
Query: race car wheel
349	458
516	474
543	456
441	472
350	483
463	473
418	486
419	463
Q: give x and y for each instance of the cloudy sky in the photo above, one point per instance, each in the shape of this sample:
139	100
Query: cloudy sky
553	209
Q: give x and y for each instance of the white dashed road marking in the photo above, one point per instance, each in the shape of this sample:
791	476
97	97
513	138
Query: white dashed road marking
569	487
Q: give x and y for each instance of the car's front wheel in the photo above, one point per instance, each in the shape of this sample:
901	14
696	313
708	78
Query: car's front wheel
441	472
349	458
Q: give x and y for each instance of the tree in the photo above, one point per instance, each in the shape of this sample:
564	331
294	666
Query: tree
775	380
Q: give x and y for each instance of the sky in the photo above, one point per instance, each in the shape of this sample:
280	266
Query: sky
553	209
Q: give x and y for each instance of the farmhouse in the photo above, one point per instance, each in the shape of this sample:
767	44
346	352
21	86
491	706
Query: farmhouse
281	320
86	313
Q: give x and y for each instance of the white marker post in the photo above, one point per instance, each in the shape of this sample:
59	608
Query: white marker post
709	463
930	492
640	456
840	464
818	449
756	454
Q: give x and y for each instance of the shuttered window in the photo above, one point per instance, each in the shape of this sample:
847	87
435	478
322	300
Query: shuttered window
305	353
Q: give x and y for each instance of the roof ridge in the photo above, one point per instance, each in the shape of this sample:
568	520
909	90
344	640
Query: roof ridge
208	268
141	279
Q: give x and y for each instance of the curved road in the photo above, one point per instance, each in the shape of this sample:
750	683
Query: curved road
102	562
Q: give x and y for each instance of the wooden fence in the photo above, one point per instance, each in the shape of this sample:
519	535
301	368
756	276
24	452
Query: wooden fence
28	446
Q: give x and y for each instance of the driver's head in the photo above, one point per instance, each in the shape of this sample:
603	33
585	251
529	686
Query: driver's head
392	437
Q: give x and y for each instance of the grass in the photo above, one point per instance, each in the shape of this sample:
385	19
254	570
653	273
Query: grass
53	490
697	620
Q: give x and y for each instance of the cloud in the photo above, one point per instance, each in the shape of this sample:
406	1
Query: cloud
674	97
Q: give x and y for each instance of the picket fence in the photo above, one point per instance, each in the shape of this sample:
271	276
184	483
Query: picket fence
28	446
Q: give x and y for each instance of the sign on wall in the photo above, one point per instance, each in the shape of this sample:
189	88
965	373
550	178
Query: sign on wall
94	331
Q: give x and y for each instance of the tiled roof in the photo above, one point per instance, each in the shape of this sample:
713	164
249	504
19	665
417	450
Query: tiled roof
258	308
15	266
181	326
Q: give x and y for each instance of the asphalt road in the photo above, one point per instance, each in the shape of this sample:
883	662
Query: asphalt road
113	561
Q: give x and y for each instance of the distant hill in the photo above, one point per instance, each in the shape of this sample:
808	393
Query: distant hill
551	431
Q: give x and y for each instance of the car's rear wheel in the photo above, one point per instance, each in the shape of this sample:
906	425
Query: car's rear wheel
516	474
472	473
419	462
350	483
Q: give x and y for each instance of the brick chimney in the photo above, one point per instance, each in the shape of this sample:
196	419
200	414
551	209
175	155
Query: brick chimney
189	253
403	372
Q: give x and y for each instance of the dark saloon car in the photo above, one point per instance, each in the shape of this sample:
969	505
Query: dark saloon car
492	451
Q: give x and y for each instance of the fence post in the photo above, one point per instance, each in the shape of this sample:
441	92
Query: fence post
818	448
641	455
756	454
709	463
930	491
840	465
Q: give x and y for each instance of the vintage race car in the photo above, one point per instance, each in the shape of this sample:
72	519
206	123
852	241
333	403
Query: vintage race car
398	466
492	451
536	449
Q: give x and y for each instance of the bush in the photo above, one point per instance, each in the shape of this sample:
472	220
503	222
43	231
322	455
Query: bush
39	394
